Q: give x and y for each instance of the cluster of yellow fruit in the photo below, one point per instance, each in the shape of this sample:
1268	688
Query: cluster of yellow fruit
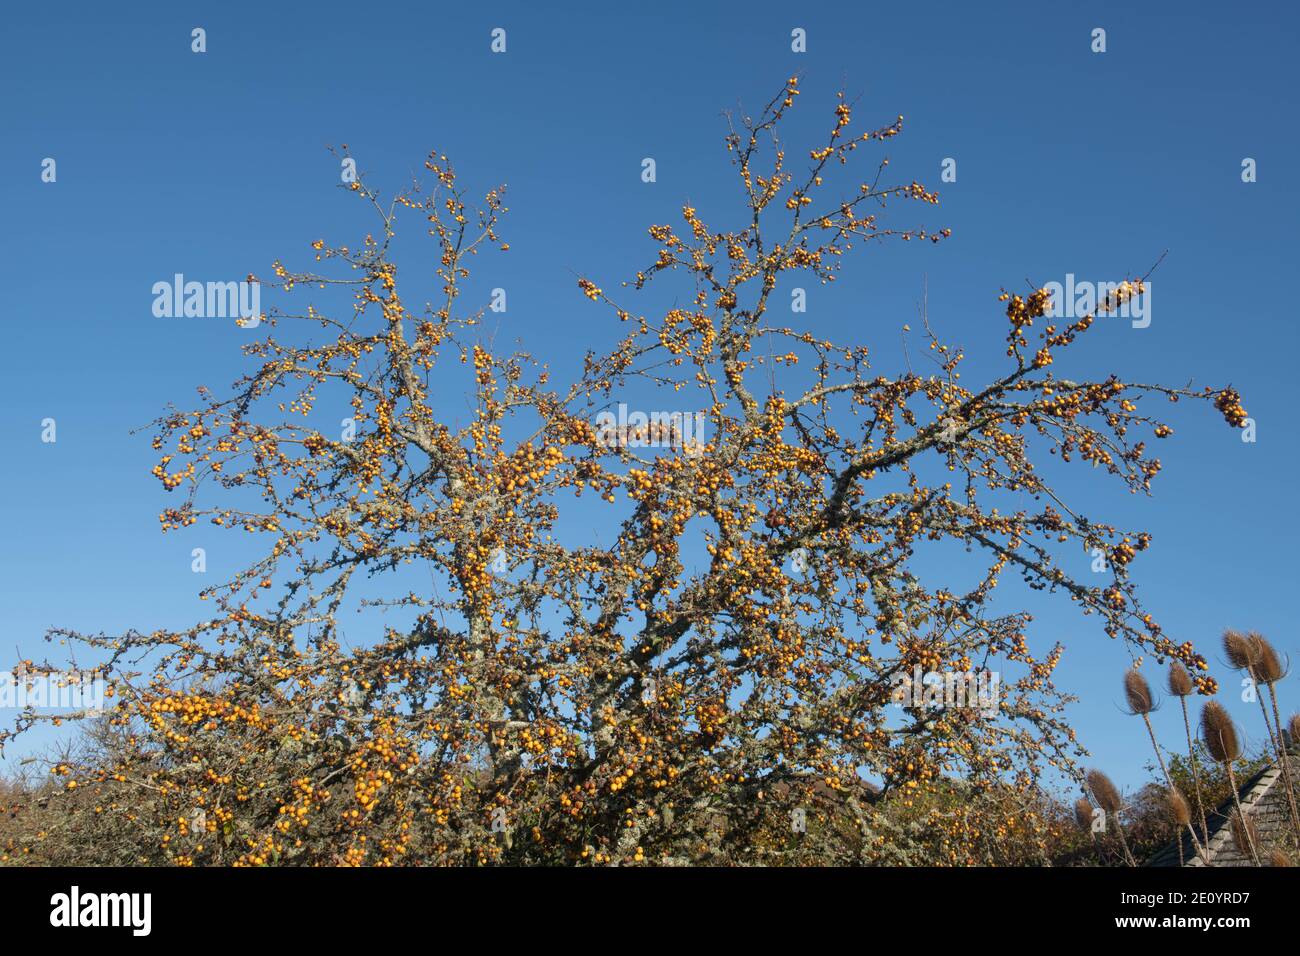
1228	402
171	480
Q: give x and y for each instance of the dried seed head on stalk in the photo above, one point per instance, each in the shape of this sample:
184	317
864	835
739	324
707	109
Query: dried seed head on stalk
1278	858
1138	693
1219	733
1268	664
1179	808
1244	834
1180	682
1104	792
1239	650
1293	727
1083	813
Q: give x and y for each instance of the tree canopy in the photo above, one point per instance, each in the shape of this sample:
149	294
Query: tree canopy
720	668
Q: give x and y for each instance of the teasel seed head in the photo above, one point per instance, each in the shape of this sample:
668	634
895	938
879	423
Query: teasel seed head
1239	650
1083	813
1179	809
1104	792
1268	667
1219	733
1138	692
1180	682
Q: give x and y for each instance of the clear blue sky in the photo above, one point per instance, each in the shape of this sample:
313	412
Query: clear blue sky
214	165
